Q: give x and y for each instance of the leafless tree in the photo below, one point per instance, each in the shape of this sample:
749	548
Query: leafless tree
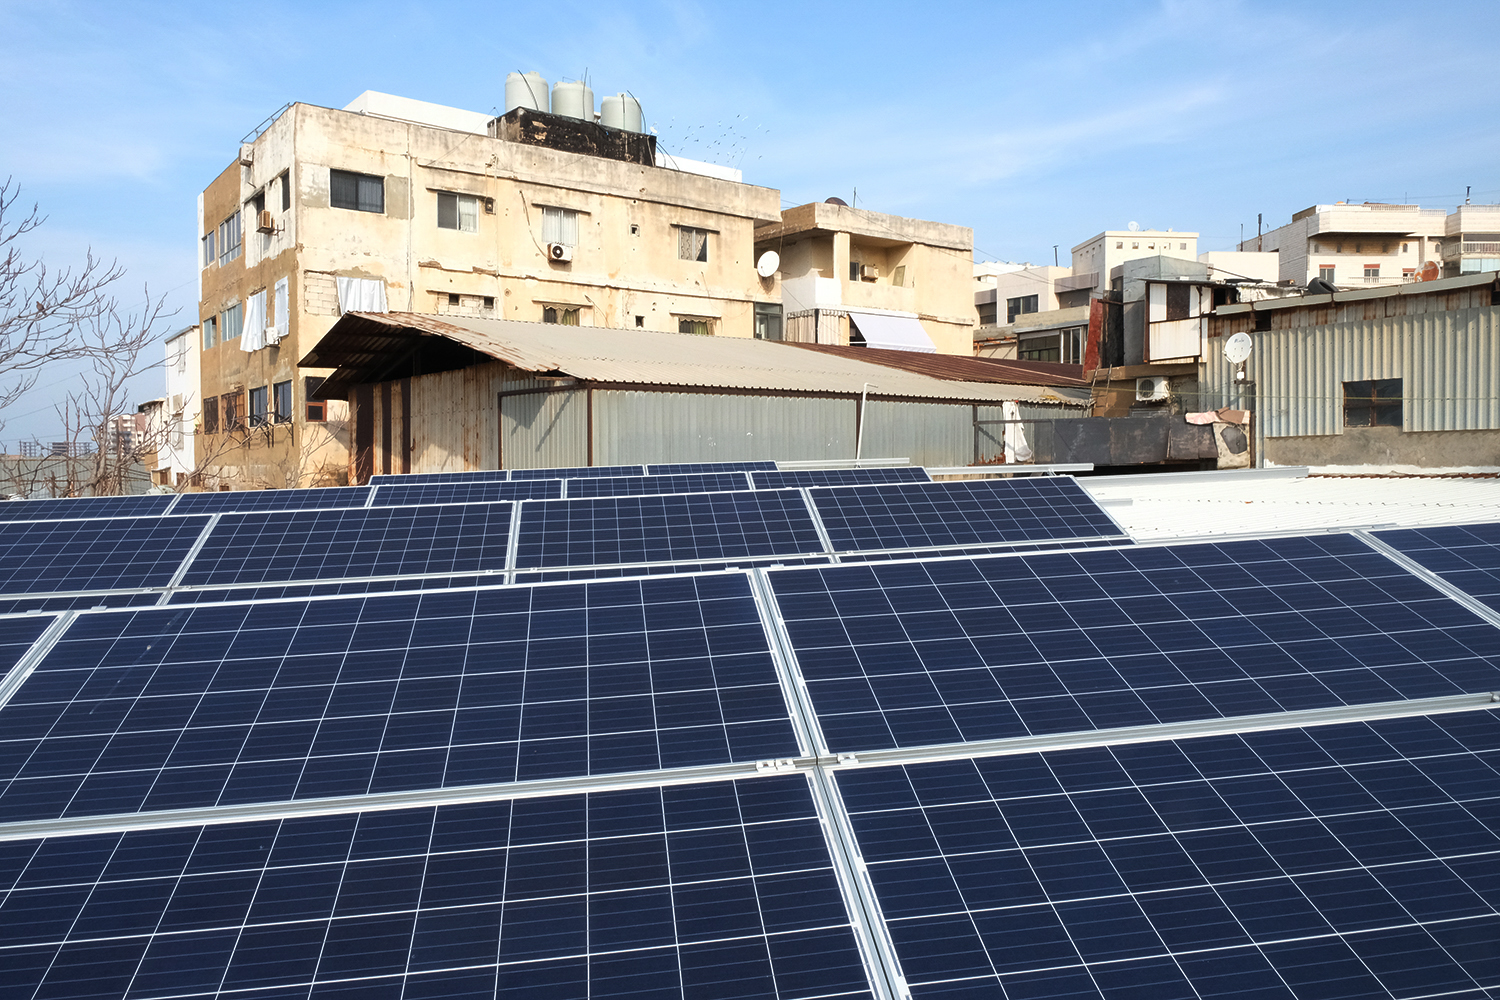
50	317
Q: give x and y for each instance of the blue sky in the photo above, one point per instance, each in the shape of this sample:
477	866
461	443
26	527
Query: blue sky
1034	123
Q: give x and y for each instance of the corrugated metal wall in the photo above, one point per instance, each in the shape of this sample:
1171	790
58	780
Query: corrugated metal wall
937	434
543	430
645	426
1449	364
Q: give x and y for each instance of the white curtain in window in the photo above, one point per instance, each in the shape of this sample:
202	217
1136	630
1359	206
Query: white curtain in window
560	225
361	295
254	336
282	323
468	215
1016	448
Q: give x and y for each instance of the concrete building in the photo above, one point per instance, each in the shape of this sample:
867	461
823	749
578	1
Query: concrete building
1471	240
1095	259
398	204
852	276
1404	376
1350	245
172	422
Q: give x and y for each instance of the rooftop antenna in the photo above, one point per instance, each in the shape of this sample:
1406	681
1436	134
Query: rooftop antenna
1258	246
1054	255
1467	189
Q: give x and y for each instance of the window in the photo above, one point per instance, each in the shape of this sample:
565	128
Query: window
988	313
1065	346
231	322
692	244
317	410
1019	306
694	324
489	302
211	415
1406	248
1135	246
229	239
257	205
231	404
359	192
1178	299
640	322
898	276
458	211
258	413
1374	403
853	269
1119	244
767	321
1372	274
1073	342
281	401
560	225
210	332
454	298
208	249
286	190
561	315
1325	271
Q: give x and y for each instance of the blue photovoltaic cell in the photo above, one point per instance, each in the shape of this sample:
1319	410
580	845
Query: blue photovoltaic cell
581	472
1467	556
925	515
185	707
102	554
665	528
326	545
1357	860
17	635
80	507
839	477
248	500
123	599
658	569
270	592
419	478
421	494
892	555
712	890
912	654
692	468
624	486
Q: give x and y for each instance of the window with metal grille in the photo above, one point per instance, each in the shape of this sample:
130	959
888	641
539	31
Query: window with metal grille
211	415
1373	403
359	192
281	401
258	414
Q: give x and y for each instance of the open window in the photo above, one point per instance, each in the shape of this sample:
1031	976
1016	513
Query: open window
692	244
458	211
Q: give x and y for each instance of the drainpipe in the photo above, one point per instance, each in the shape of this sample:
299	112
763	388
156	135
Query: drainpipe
859	437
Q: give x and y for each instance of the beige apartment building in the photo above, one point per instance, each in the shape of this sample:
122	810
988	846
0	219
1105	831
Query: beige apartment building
851	276
1349	245
396	205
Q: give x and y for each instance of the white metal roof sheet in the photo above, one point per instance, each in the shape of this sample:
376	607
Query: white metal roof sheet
1164	507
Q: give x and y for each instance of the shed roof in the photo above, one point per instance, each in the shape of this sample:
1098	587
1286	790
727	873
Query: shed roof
1361	294
370	347
957	368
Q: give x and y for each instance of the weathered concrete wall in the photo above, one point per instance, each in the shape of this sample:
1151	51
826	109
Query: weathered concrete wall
1387	446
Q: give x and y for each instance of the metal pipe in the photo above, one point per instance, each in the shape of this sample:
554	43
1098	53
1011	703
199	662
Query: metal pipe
859	436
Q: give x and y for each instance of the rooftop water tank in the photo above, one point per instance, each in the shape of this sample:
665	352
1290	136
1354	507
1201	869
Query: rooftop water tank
525	90
621	111
573	99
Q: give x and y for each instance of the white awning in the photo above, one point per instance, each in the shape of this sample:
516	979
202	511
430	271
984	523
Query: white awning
892	331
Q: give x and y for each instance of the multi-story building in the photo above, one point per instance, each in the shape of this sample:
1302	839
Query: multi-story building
402	205
852	276
1348	245
172	420
1471	240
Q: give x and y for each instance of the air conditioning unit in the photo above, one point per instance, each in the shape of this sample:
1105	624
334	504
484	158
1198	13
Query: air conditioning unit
559	252
869	272
1151	389
266	223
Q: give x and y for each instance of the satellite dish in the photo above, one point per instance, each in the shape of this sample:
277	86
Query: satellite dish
835	201
768	263
1237	348
1134	227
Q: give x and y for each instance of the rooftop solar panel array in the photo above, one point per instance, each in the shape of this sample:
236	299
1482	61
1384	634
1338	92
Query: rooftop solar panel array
583	472
696	468
81	507
247	500
418	478
838	477
389	751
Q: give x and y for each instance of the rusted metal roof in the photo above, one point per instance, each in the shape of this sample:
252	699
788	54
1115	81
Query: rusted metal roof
958	368
370	347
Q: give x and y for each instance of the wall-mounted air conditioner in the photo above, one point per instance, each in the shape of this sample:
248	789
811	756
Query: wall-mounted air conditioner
869	272
266	223
1151	389
559	252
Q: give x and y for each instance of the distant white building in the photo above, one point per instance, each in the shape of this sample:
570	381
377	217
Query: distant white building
172	424
1471	240
1347	245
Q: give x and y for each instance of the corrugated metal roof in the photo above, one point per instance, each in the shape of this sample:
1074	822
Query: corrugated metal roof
362	345
1360	294
957	368
1164	507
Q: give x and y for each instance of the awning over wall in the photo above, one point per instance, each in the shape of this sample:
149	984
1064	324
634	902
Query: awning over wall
892	331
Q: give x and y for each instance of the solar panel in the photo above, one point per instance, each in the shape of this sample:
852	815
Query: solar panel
272	592
327	545
1353	860
98	554
620	486
580	472
419	478
722	889
923	515
666	528
660	569
912	654
17	636
183	707
246	500
1467	556
839	477
422	494
74	602
81	507
691	468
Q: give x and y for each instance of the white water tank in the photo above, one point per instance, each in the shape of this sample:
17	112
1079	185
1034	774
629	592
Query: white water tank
621	111
525	90
573	99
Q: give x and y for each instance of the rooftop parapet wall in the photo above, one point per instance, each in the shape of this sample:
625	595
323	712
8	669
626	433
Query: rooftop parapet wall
823	217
